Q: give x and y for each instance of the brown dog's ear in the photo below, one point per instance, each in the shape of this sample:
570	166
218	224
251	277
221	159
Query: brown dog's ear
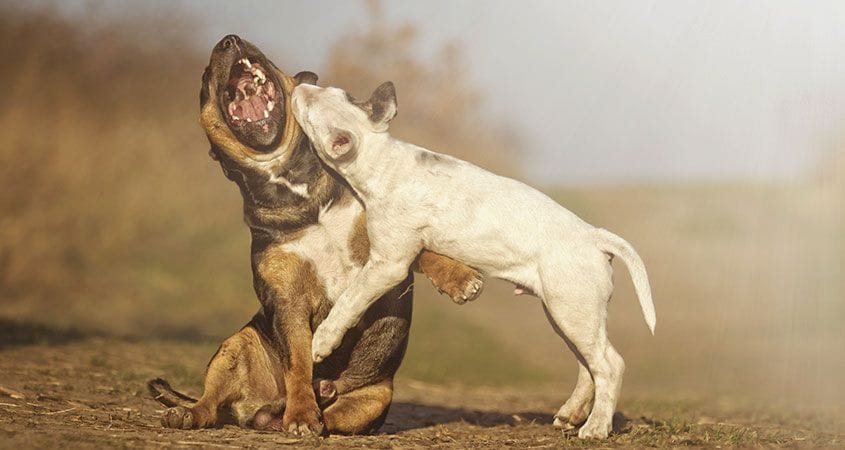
206	76
341	143
383	105
306	77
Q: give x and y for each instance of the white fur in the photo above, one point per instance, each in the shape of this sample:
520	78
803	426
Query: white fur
419	199
326	245
300	189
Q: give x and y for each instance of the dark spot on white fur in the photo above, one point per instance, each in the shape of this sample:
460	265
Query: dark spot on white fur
431	158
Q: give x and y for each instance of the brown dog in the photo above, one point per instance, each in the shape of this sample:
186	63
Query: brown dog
309	239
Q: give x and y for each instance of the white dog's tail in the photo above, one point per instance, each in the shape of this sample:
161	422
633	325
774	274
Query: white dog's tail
615	245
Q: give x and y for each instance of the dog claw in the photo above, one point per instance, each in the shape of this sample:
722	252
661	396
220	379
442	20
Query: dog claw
471	291
562	424
307	426
178	417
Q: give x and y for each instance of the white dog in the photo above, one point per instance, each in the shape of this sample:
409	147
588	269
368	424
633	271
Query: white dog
418	199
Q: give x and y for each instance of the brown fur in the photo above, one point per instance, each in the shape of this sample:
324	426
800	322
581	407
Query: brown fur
263	376
448	277
359	242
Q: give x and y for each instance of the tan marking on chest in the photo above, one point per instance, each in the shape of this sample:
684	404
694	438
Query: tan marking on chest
359	242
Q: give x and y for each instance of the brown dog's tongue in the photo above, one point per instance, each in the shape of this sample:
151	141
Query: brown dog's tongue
247	111
251	108
259	104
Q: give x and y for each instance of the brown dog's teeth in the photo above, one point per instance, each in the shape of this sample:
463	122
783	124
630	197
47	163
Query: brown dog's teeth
270	106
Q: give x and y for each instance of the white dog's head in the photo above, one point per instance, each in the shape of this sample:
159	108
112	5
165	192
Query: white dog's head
336	123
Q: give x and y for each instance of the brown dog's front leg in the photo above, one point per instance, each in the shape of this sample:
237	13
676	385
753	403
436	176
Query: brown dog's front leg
454	278
302	414
289	290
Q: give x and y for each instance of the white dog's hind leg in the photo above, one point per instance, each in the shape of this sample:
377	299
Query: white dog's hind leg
582	321
608	379
577	407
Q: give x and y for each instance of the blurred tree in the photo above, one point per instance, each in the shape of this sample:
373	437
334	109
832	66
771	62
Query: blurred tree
439	107
107	189
111	211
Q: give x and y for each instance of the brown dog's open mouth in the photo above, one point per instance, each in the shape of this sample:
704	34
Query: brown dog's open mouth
251	95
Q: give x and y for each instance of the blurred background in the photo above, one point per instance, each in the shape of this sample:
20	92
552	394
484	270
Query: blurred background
710	135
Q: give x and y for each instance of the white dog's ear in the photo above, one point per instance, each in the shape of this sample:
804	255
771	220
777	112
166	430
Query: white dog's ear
383	105
341	143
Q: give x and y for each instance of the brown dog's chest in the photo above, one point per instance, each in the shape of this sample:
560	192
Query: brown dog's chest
328	245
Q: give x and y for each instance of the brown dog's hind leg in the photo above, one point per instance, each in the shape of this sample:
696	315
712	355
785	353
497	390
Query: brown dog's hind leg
360	411
203	413
454	278
239	381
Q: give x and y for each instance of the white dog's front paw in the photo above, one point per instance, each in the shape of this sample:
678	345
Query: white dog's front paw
324	341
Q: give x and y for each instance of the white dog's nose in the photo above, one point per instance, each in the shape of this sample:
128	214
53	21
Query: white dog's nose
301	96
305	92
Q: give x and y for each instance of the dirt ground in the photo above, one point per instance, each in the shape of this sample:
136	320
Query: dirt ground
493	370
64	389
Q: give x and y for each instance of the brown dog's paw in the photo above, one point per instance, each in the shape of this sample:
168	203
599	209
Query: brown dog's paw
178	417
463	284
303	422
326	392
451	277
266	421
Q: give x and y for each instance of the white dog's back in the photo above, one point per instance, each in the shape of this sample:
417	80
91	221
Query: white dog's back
499	225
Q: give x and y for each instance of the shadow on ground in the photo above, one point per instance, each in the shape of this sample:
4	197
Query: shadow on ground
406	416
15	333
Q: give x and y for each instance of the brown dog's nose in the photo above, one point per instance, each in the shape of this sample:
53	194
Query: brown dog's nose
230	41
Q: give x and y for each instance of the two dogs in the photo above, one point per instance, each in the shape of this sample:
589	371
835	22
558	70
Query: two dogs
417	199
312	244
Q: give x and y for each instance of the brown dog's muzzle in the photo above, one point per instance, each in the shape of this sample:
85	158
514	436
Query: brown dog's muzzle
247	94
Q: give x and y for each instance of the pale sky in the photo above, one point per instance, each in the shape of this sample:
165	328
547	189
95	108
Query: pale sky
604	92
